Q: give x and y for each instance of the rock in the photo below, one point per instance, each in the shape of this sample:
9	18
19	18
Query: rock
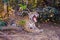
14	25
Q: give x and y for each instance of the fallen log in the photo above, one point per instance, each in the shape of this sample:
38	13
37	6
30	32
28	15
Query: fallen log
11	28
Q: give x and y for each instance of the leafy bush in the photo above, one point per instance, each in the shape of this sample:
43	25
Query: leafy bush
48	14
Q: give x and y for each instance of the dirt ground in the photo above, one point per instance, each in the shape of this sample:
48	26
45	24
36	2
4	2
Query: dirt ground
50	32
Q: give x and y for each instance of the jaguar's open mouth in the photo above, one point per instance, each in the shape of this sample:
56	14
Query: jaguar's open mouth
35	19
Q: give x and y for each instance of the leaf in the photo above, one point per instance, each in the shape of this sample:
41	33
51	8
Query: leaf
22	22
22	6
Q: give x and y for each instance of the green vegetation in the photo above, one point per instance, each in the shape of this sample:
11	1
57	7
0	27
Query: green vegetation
22	22
22	6
2	23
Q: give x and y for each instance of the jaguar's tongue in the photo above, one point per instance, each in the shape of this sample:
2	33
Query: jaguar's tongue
35	19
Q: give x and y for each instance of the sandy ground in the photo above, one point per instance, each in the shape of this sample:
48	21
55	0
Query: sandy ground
50	32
